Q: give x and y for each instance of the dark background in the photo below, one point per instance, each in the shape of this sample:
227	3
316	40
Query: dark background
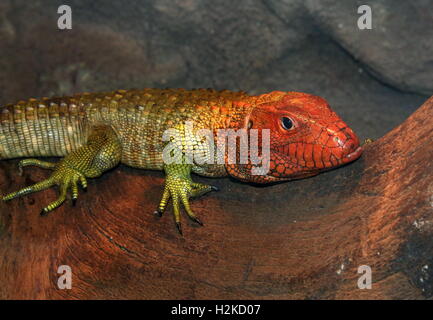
373	78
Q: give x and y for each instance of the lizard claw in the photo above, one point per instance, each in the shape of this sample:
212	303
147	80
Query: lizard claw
197	220
158	213
179	228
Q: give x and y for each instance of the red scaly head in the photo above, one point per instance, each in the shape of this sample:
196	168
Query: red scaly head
306	137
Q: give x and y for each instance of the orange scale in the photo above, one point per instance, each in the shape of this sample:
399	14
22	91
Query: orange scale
281	168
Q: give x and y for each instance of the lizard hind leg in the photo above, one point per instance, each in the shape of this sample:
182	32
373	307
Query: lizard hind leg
101	153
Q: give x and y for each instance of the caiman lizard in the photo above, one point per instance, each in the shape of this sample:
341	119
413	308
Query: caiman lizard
94	132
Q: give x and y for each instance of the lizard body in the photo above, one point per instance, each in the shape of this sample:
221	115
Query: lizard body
93	132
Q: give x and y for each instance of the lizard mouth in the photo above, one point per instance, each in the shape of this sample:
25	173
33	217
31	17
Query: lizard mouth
352	156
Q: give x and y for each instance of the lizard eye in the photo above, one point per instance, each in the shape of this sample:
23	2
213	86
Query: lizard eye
286	123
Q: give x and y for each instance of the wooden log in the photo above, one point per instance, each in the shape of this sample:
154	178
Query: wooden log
298	240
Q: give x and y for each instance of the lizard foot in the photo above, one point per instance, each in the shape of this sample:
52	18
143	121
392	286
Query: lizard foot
180	189
63	176
101	153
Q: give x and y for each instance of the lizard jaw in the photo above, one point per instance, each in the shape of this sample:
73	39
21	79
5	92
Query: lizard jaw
352	156
308	172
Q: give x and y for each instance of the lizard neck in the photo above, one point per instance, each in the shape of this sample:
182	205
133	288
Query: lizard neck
240	116
242	109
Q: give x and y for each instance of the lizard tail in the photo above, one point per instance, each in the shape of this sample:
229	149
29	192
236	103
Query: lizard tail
38	129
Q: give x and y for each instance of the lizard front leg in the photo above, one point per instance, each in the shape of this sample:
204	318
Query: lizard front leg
180	187
101	152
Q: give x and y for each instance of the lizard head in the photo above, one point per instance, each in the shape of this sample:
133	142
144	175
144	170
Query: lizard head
305	138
